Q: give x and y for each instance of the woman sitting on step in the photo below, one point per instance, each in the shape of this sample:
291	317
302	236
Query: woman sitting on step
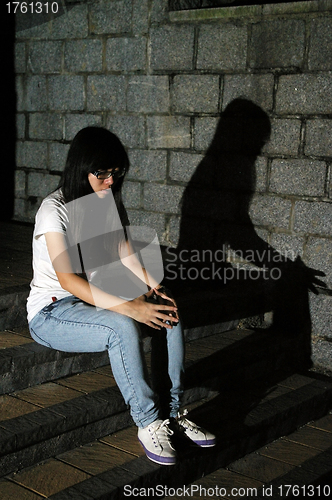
80	231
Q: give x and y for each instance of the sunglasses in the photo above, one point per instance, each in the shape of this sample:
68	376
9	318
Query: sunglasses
106	174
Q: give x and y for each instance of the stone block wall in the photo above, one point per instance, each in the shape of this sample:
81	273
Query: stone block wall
160	80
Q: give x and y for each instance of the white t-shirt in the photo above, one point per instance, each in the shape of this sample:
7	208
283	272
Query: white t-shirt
51	217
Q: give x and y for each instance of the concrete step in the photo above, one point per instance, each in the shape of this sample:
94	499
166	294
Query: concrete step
246	422
298	465
24	363
58	415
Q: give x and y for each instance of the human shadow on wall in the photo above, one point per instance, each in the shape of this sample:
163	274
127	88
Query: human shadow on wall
215	224
215	218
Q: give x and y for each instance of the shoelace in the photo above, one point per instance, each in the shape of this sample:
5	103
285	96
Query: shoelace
162	433
184	422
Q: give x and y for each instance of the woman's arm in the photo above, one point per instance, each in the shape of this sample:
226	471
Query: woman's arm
129	259
138	309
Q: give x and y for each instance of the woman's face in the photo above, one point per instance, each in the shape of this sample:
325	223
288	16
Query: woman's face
100	186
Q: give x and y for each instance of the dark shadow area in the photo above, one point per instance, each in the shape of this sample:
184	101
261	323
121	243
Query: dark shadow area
31	14
204	4
216	228
8	110
211	288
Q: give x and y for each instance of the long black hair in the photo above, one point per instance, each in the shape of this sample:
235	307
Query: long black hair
93	148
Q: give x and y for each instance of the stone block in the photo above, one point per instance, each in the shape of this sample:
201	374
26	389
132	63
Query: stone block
72	24
83	55
159	11
66	92
321	349
75	122
319	256
195	93
222	47
140	20
126	54
304	94
19	209
147	165
204	130
106	93
261	174
285	137
20	154
20	178
168	132
111	17
173	231
313	217
20	57
45	126
172	47
20	94
45	56
163	198
20	126
298	177
321	315
28	29
277	44
31	206
183	165
36	93
148	94
131	193
288	245
58	155
129	129
257	88
35	155
318	140
320	46
153	220
41	184
270	211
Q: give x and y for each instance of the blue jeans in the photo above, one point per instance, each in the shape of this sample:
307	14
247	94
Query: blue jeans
74	326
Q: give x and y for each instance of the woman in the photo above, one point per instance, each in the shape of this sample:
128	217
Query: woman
69	313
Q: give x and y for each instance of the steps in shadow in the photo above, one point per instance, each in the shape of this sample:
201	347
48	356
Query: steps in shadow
220	364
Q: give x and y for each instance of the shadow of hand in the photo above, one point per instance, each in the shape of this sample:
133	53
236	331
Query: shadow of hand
305	276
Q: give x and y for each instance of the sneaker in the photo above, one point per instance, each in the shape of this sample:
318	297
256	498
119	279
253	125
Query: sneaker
155	439
194	432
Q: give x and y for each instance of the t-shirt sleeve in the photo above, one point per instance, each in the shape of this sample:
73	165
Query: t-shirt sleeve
51	217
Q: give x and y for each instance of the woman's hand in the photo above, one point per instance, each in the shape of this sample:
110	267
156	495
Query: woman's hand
166	296
156	316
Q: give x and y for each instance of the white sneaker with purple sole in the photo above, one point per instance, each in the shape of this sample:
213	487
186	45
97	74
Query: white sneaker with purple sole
155	439
194	432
